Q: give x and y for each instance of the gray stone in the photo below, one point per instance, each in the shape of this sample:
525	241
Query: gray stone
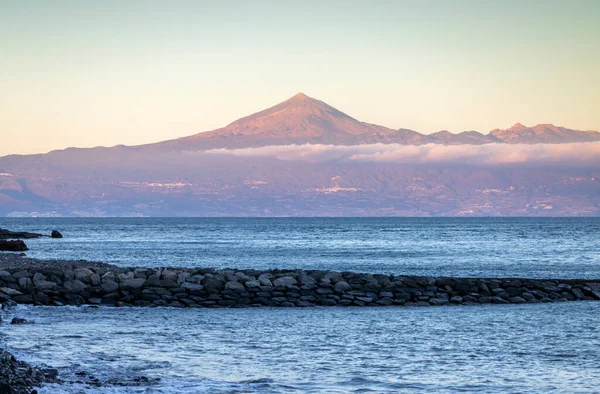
22	274
169	274
108	276
10	292
109	286
74	286
125	276
133	284
95	279
196	278
438	301
324	290
83	274
342	286
192	287
4	275
252	284
44	285
235	286
25	284
578	293
456	300
308	282
183	277
285	282
499	300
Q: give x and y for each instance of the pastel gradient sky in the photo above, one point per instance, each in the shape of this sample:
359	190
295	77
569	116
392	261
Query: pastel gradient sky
88	73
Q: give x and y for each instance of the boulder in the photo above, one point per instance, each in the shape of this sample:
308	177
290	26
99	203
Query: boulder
74	286
83	274
252	284
13	246
192	287
342	287
55	234
7	234
285	282
26	285
109	286
133	284
10	292
18	320
265	279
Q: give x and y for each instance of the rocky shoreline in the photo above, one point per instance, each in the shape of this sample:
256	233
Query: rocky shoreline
78	283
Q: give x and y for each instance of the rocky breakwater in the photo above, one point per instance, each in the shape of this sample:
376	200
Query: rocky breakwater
205	287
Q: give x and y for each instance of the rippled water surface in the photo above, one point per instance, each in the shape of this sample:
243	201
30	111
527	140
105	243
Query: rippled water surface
530	247
510	348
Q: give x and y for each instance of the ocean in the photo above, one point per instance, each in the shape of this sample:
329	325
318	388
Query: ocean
537	348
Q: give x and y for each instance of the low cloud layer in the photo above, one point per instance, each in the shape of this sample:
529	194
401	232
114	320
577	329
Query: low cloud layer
575	154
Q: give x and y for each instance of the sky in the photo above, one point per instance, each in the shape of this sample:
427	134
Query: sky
90	73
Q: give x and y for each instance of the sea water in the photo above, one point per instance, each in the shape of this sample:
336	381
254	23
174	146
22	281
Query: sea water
488	247
493	348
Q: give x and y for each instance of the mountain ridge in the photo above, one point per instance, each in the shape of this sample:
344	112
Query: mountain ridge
305	120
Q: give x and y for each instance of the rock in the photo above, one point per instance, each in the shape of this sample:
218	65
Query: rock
74	286
25	284
456	300
307	282
132	284
285	282
265	280
13	246
10	292
83	274
55	234
235	286
18	320
109	286
438	301
95	279
22	274
578	293
342	286
192	287
499	300
517	300
252	284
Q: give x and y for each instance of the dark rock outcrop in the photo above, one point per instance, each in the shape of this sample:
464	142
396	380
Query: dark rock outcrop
13	246
18	377
7	234
56	234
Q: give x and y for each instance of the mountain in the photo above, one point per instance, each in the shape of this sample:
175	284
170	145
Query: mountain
442	174
543	133
304	120
298	120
